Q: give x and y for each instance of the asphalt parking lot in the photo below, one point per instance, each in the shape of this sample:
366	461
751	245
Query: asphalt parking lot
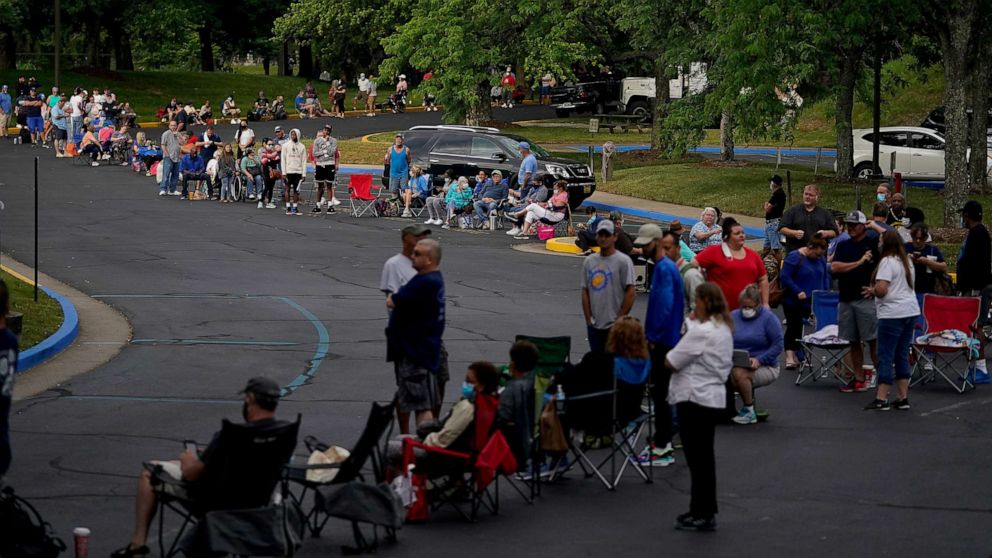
219	293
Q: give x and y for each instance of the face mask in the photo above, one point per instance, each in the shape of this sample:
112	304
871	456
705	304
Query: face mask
880	197
468	390
749	313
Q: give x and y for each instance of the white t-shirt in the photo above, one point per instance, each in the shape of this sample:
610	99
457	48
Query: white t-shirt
245	137
900	300
76	102
702	360
395	273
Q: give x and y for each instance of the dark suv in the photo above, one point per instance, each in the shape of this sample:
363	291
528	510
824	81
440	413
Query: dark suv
467	149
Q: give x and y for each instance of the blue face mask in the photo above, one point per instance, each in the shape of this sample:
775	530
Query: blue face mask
880	197
468	390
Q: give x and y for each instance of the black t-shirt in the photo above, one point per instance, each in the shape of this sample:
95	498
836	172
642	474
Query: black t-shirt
777	200
849	284
925	278
624	243
975	260
8	367
33	111
797	218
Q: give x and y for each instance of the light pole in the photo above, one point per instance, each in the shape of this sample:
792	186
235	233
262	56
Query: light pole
58	43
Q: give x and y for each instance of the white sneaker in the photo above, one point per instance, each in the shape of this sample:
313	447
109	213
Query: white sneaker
270	206
94	164
251	196
175	193
161	192
407	214
260	204
513	232
335	201
429	222
445	226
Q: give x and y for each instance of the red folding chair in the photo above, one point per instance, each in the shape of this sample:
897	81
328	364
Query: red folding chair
488	459
361	196
935	359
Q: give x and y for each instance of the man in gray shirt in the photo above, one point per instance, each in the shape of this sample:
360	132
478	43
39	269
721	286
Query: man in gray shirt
607	286
170	161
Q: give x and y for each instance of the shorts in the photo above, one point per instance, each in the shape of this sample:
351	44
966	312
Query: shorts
61	134
772	236
292	181
416	387
764	375
36	124
857	321
324	173
363	96
396	183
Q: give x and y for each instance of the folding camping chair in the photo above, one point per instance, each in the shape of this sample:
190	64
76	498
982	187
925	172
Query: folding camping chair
562	226
361	196
368	447
476	471
236	490
935	358
832	353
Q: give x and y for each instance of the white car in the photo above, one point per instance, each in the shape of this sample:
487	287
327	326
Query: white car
919	153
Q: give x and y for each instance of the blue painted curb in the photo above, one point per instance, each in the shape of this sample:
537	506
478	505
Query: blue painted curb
663	217
56	342
801	151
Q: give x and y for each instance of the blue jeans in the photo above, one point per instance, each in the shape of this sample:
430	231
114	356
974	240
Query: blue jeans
170	174
255	185
772	239
482	209
77	125
894	338
225	187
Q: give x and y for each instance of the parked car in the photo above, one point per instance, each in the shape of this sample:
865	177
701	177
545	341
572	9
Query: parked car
467	149
919	153
598	97
935	121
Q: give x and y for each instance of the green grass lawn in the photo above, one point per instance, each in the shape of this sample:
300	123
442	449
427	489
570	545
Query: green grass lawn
41	318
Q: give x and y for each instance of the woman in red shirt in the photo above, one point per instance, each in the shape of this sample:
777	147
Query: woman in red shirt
733	266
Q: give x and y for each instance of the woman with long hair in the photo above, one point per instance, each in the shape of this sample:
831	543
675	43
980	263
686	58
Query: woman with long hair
898	310
631	364
700	364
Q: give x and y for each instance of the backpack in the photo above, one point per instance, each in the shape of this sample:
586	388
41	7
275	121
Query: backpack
23	533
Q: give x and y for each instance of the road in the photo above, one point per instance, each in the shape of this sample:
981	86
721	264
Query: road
219	293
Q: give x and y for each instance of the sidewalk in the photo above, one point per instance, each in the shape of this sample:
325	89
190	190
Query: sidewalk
665	212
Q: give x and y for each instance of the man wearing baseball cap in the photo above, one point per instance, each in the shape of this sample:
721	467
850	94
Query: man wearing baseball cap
857	320
607	286
528	167
179	478
663	326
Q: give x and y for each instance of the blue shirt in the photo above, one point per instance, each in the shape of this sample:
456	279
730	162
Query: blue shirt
529	164
495	191
8	367
5	102
420	184
192	164
761	336
663	323
398	165
417	321
60	119
803	274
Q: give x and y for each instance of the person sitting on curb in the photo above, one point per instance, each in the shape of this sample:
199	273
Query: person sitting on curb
261	397
756	330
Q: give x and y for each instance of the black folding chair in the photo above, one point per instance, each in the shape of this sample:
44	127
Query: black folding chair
244	468
368	447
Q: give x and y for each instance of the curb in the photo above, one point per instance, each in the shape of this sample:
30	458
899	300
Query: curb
657	216
56	342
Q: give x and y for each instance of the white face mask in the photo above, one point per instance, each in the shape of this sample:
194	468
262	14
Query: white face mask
749	313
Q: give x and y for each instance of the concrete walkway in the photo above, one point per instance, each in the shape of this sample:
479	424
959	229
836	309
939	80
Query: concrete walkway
103	332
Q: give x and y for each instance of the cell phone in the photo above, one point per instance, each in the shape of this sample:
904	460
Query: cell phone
190	445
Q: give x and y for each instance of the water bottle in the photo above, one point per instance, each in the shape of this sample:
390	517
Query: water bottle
560	400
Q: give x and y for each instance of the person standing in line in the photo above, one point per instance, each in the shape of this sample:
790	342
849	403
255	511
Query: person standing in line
700	364
413	336
692	277
607	286
6	109
857	320
898	311
928	260
732	265
171	155
294	170
76	112
9	351
975	256
663	326
400	159
325	154
363	93
774	208
371	95
804	271
800	222
706	231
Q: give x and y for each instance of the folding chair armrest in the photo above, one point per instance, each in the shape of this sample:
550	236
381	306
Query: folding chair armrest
158	474
409	444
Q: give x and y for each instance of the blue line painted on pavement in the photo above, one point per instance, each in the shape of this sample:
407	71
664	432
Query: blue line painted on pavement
210	342
323	346
663	217
56	342
792	151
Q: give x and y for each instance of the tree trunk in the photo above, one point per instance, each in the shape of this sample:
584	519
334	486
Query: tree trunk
284	69
305	63
661	99
476	113
978	102
92	33
206	47
8	48
727	135
123	57
845	113
265	64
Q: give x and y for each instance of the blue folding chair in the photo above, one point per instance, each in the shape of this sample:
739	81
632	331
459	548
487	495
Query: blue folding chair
819	358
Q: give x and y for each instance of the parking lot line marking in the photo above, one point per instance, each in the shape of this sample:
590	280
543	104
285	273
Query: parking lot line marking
210	342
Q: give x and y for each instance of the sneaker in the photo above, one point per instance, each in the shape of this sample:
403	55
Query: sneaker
270	206
686	522
429	222
513	232
654	457
289	211
406	213
330	211
855	386
901	404
260	204
94	164
878	405
251	196
175	193
161	192
315	210
335	201
746	416
445	226
297	212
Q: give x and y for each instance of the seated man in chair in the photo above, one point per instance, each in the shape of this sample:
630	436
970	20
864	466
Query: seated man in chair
192	167
261	396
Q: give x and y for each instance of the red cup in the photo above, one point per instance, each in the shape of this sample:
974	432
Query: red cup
81	536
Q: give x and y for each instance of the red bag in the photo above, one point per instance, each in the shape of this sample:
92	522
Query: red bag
418	510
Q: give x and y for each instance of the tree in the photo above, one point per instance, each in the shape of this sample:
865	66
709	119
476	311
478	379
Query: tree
11	14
